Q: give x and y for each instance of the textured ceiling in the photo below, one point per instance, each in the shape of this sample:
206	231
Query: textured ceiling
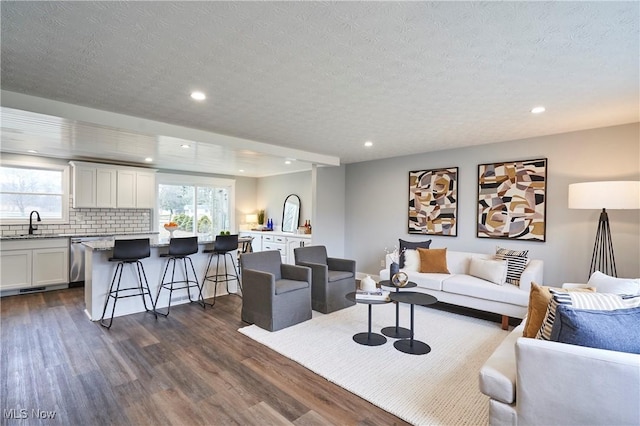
324	77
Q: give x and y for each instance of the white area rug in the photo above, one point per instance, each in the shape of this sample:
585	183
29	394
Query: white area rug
439	388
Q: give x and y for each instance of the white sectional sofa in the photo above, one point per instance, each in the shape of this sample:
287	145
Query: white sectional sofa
538	382
460	288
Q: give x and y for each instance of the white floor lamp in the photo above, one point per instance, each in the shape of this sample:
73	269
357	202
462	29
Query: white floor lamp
612	195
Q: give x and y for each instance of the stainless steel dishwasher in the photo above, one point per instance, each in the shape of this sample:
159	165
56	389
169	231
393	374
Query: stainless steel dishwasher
76	257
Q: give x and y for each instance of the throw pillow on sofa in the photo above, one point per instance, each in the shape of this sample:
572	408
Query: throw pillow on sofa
433	260
411	245
615	330
411	260
517	261
596	301
539	298
608	284
491	270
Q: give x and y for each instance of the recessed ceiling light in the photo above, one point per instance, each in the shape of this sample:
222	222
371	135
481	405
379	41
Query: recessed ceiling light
368	144
241	170
32	151
287	162
538	110
148	159
185	146
198	96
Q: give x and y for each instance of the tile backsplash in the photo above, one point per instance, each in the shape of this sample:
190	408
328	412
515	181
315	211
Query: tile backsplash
91	221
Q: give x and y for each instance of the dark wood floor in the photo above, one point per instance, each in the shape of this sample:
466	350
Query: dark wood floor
191	368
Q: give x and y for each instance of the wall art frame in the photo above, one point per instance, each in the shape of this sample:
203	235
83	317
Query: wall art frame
433	202
512	200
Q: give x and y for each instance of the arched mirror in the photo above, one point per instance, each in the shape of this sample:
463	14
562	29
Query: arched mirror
291	213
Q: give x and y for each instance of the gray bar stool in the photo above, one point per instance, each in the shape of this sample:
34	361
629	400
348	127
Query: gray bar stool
223	246
128	252
180	249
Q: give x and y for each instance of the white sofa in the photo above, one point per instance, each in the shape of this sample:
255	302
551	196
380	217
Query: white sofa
459	288
538	382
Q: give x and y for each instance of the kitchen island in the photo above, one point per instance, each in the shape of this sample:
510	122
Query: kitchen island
99	273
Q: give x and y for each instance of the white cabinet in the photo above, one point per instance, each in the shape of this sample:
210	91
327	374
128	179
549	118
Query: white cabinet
283	242
34	263
108	186
292	244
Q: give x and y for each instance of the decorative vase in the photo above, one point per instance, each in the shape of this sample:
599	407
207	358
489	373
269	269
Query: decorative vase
367	284
394	268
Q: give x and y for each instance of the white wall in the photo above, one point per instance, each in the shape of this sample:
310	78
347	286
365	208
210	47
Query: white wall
272	190
377	201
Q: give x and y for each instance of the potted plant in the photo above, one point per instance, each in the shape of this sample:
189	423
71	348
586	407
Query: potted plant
260	217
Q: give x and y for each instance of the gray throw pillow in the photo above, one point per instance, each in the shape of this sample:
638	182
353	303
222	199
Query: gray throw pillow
411	245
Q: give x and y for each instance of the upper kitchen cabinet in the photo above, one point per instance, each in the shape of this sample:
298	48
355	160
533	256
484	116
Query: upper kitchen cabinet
108	186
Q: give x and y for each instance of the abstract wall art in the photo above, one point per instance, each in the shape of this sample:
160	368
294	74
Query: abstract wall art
512	200
433	202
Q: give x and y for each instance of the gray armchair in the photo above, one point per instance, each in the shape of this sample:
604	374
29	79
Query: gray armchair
331	278
274	295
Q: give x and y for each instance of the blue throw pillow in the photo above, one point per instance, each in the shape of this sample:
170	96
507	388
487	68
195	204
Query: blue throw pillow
617	330
411	245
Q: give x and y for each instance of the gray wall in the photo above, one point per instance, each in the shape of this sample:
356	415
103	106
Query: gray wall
377	201
329	209
272	190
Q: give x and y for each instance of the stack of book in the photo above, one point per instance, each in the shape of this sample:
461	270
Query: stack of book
377	294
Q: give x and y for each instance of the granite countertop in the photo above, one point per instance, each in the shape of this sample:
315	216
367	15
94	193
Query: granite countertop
104	245
40	236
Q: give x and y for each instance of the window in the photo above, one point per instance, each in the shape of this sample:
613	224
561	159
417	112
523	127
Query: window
201	206
24	188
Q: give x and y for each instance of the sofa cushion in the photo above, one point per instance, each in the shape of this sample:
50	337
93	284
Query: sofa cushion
494	271
608	284
516	262
597	301
539	298
338	275
285	286
411	261
411	245
427	281
481	289
616	330
433	260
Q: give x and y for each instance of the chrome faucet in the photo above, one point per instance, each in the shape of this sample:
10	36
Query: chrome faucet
31	227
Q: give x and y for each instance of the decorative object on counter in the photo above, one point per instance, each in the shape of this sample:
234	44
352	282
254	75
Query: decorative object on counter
399	279
291	213
433	202
270	224
367	284
512	201
171	227
261	216
251	219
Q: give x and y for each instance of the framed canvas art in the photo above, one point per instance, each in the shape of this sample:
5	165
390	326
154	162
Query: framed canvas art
433	202
512	200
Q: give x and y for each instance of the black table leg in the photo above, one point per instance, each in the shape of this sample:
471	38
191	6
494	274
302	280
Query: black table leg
397	332
411	346
369	338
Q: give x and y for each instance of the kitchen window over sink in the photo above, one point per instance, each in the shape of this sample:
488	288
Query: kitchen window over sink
198	205
24	188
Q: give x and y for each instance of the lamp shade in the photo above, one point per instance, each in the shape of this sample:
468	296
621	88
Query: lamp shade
610	195
251	218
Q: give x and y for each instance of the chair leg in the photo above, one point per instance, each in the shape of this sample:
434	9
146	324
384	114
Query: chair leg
206	277
119	267
197	284
140	268
233	263
161	286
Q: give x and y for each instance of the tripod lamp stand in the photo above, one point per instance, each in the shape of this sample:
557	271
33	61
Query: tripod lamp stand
612	195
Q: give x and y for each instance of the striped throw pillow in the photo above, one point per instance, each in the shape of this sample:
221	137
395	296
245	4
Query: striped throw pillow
593	301
516	262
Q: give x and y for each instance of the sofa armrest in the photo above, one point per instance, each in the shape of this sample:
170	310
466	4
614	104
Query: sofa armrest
261	285
336	264
532	273
559	383
296	273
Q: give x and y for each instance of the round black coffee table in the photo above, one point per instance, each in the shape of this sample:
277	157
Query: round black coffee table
411	346
368	338
397	332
